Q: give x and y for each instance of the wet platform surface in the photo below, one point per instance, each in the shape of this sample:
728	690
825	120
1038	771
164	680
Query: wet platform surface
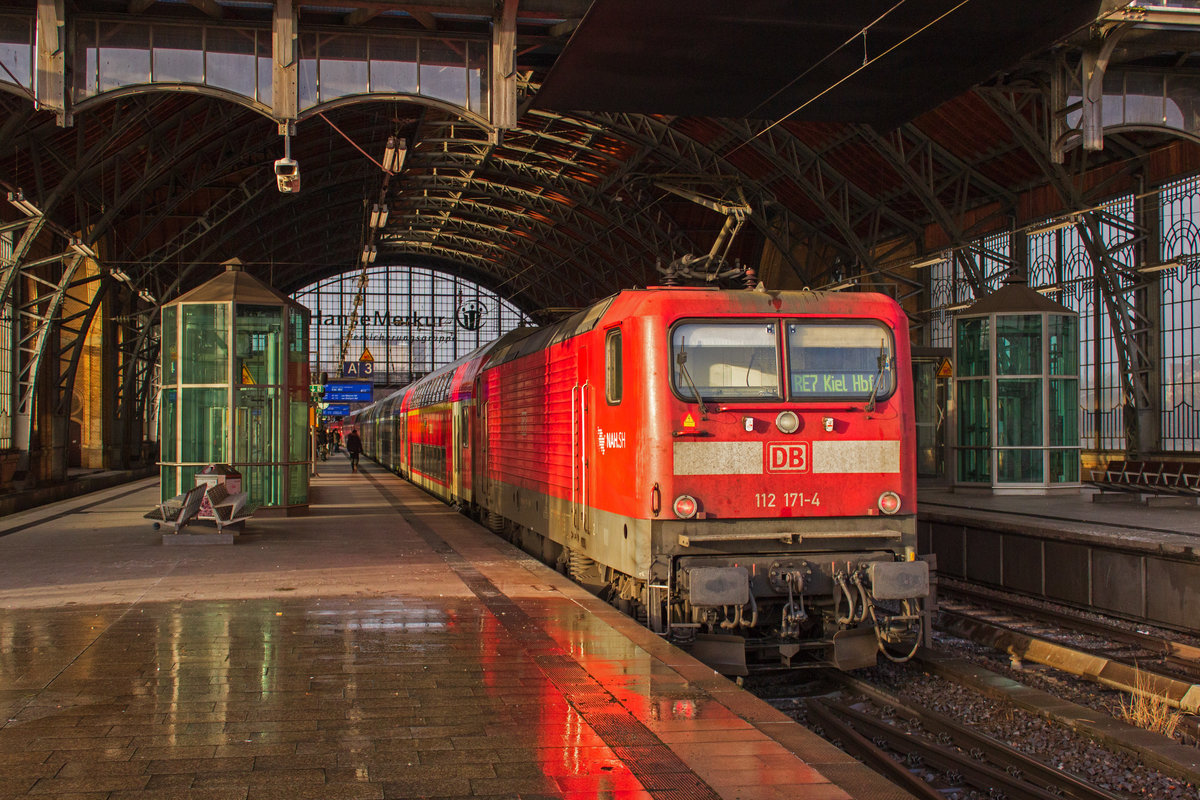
382	646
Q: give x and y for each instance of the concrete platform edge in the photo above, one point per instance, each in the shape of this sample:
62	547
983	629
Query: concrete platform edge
44	495
1180	546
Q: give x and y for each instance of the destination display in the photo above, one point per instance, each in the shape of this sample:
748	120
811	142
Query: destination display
336	410
348	392
835	384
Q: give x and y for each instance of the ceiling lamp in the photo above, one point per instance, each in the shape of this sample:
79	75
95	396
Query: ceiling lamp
929	262
24	206
393	155
1159	267
84	249
1054	226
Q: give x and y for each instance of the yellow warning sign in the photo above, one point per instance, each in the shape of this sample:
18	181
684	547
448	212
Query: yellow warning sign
366	356
246	376
688	422
945	369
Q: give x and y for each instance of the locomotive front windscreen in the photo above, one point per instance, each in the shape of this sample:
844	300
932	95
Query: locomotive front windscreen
720	360
840	360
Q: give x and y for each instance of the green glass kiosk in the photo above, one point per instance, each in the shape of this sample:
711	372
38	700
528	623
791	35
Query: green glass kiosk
235	390
1016	357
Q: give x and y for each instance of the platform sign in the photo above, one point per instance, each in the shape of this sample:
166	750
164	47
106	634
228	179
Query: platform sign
348	392
358	369
336	410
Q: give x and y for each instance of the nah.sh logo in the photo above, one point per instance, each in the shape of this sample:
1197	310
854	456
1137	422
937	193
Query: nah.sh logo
615	441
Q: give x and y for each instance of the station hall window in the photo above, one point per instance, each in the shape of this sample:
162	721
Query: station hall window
612	367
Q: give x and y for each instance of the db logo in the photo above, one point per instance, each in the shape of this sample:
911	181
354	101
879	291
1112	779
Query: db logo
787	457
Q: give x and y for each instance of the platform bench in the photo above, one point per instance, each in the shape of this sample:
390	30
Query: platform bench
228	509
179	510
1181	478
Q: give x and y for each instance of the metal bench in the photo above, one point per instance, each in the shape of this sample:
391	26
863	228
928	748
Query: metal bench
1180	478
227	509
179	510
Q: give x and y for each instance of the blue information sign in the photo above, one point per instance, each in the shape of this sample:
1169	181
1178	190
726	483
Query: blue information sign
336	410
348	392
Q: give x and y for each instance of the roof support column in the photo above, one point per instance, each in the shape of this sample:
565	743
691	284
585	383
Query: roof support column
51	83
1096	55
1119	296
1148	307
504	70
285	75
37	322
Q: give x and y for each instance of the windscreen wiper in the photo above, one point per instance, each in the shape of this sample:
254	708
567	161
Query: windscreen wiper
681	360
884	367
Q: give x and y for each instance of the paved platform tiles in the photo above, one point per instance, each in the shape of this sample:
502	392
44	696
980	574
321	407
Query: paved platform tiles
382	646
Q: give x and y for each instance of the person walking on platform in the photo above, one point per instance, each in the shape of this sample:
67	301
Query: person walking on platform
322	443
354	448
337	440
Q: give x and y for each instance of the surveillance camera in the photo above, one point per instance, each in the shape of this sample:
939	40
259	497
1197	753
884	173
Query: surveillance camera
287	175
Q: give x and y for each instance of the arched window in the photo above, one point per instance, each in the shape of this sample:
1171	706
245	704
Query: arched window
412	321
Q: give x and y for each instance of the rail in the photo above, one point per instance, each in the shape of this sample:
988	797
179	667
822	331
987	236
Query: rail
1094	664
963	756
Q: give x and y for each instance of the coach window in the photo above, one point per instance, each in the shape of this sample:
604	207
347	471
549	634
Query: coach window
612	367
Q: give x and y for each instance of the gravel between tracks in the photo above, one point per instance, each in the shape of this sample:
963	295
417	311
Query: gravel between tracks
1021	730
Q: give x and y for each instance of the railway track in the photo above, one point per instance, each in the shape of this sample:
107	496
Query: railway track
1186	657
1132	661
932	756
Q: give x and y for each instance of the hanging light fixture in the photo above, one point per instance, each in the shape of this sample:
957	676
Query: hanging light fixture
393	155
1158	267
27	208
1055	225
929	262
83	248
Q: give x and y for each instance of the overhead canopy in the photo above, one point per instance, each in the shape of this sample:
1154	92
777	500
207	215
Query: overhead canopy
584	196
768	59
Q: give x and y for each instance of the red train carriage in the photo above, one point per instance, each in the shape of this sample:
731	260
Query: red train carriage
737	467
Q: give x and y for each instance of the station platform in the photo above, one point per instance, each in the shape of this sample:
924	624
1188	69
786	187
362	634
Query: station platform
1140	562
381	646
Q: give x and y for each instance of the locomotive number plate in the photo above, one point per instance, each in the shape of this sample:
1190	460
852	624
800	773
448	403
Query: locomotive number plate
786	500
787	457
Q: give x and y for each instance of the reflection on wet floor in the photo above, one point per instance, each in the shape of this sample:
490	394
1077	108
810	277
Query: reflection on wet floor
509	687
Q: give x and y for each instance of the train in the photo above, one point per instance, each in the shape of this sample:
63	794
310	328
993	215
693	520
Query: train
733	467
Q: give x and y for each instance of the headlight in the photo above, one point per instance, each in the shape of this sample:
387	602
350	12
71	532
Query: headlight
686	506
889	502
787	422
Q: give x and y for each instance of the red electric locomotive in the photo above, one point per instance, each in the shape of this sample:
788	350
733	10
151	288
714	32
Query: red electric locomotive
734	467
